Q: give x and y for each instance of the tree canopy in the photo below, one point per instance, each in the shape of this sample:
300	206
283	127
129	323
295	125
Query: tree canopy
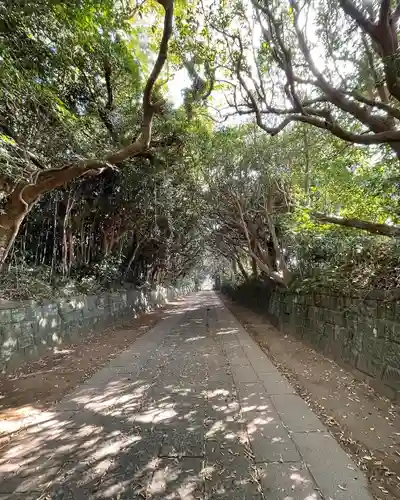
146	142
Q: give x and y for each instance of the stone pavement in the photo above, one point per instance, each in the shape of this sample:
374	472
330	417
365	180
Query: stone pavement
193	410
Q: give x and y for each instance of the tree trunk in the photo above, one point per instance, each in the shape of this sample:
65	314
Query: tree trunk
282	267
8	233
254	267
54	249
307	173
70	238
133	257
242	269
15	211
370	227
68	204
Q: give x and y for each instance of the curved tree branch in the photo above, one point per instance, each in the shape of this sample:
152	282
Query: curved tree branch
370	227
26	194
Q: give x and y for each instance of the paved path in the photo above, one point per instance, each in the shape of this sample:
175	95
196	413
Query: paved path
193	410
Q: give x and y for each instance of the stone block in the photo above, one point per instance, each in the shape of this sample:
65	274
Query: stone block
329	331
353	306
394	335
317	299
91	302
29	326
5	316
327	315
370	308
340	303
391	377
383	329
335	346
313	312
327	302
350	317
18	315
54	323
13	330
349	354
370	358
90	312
8	348
102	302
298	310
320	341
49	309
391	354
368	329
353	336
339	333
309	334
396	311
287	307
324	336
26	338
74	316
339	318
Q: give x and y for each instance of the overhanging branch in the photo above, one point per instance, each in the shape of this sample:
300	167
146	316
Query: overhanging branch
370	227
53	178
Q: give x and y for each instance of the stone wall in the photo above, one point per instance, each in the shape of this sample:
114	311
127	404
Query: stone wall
362	333
29	329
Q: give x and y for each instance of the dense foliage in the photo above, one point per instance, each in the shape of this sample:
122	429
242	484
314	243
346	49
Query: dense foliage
271	164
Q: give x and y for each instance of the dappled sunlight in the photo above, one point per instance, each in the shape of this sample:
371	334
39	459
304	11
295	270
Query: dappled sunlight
226	331
167	422
194	339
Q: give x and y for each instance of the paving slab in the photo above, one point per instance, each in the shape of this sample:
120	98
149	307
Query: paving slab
177	480
295	413
192	410
262	365
269	439
230	472
275	383
332	469
244	373
288	482
183	441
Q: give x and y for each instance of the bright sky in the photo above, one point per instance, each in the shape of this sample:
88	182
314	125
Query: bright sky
180	81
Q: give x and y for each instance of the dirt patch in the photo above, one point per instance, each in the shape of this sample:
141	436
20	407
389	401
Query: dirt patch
366	424
36	386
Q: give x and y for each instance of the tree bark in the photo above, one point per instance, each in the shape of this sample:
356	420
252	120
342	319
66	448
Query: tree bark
10	222
307	173
242	269
254	267
370	227
68	204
